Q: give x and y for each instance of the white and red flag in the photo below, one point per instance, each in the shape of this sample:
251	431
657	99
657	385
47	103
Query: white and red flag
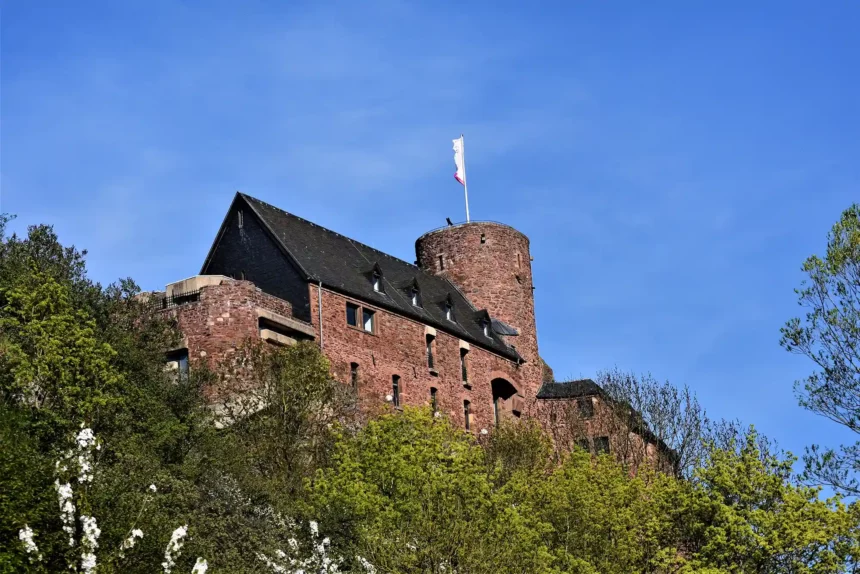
460	160
460	164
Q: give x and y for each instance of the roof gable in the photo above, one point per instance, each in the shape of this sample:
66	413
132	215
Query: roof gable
345	265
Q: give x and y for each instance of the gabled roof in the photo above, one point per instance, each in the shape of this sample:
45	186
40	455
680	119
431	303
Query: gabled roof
345	265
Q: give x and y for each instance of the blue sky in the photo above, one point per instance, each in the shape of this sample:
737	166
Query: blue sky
672	164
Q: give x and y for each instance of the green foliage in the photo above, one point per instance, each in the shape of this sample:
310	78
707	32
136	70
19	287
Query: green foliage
410	493
50	357
744	515
829	334
283	409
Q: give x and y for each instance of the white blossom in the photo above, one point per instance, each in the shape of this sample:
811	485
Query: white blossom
67	509
368	567
152	488
129	542
483	431
85	441
437	415
389	398
89	543
174	548
26	537
200	566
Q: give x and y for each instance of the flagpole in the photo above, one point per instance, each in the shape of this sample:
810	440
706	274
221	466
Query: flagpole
465	177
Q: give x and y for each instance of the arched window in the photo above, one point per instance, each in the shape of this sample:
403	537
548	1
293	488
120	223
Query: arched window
449	311
434	400
467	414
395	390
377	282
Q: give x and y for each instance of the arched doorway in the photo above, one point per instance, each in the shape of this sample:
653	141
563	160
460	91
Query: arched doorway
503	398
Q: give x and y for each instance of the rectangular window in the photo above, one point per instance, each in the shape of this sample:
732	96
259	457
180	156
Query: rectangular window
467	414
395	390
433	399
353	375
361	317
177	364
601	445
367	319
352	314
586	407
583	444
463	370
430	339
441	263
240	218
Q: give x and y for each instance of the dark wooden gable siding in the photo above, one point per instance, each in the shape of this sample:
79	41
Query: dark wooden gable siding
250	250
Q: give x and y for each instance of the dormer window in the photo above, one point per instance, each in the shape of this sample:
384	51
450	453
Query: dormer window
485	327
449	311
415	297
377	282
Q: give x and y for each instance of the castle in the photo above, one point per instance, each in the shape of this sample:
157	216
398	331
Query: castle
456	330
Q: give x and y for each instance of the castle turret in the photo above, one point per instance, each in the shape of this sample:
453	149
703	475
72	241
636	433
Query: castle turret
491	264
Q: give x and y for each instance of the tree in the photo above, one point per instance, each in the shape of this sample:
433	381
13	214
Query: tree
743	514
829	334
411	494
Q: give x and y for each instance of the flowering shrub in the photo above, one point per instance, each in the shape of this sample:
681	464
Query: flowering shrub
317	560
78	466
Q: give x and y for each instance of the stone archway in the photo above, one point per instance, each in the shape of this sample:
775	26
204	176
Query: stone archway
503	398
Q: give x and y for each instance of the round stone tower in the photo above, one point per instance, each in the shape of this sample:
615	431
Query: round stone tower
491	264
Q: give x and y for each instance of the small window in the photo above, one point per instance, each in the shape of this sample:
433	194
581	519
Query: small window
467	414
601	445
433	399
430	340
485	327
449	311
583	444
463	370
586	407
367	319
377	282
353	375
395	390
352	314
240	218
441	263
519	260
416	299
483	238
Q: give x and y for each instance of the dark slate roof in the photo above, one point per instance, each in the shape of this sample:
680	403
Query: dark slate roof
569	389
347	266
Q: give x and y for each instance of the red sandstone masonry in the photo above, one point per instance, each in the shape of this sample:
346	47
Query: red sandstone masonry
398	348
223	318
491	264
